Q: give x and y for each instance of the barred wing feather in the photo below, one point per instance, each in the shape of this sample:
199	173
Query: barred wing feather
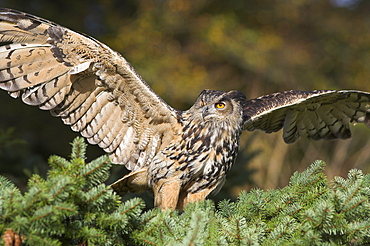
320	114
91	87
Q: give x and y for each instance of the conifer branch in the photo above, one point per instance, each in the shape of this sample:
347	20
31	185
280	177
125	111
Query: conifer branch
73	206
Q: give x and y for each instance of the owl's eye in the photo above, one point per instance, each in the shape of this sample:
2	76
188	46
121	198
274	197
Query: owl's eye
202	104
220	105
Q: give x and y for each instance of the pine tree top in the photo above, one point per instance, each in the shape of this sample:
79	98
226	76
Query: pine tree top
73	206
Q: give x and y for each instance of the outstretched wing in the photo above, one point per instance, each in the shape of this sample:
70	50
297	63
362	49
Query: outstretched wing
91	87
321	114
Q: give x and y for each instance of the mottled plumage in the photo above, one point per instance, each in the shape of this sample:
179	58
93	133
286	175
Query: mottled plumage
181	155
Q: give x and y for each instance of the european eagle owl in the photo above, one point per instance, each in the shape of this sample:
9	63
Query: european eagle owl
181	155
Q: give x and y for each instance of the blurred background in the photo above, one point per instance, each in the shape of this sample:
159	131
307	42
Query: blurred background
181	47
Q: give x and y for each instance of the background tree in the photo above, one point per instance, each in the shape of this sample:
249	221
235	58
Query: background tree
181	47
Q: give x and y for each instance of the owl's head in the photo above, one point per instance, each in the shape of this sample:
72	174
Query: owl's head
218	105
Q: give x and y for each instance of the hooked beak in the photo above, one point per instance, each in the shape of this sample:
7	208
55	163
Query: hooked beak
205	112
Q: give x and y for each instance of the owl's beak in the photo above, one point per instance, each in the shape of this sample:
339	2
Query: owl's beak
204	112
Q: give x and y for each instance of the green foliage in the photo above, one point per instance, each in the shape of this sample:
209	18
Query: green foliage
309	211
73	206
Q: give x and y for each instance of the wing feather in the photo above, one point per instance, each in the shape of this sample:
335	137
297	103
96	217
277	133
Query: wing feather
40	94
94	109
91	87
101	118
110	135
321	114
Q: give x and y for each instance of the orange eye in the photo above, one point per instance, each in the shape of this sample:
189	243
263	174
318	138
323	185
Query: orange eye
202	103
220	105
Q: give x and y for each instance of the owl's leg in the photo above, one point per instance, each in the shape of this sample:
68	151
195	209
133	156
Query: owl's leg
186	198
166	193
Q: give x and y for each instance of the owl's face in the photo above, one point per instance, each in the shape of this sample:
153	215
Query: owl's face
218	105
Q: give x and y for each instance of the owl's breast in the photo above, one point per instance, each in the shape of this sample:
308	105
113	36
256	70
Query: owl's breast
199	159
210	168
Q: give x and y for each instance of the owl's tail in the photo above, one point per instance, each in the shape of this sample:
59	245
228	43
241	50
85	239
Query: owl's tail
135	182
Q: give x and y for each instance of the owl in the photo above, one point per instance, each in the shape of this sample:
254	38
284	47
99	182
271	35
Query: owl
182	156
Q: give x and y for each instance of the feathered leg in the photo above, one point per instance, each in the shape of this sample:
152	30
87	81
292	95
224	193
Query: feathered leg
186	198
166	193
